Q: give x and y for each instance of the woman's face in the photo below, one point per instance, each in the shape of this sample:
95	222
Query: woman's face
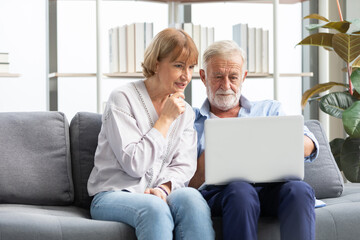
174	76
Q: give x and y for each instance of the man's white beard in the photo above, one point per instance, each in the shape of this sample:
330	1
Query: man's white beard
222	102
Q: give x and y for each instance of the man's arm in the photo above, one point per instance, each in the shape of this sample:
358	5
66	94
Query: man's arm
199	177
309	146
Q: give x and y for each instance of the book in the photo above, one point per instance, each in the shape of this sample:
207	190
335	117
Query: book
240	36
210	36
113	50
265	51
175	25
122	38
149	33
4	67
196	38
4	57
188	28
251	49
139	45
203	43
258	50
130	48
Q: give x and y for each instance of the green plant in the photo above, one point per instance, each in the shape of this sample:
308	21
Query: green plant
342	104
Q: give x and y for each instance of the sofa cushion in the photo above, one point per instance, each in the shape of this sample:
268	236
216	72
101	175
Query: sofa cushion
35	159
19	222
84	130
323	174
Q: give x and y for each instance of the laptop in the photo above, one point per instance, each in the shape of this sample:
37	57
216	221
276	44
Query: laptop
256	150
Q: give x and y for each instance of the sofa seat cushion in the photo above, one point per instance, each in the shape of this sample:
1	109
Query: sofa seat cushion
35	164
340	219
18	222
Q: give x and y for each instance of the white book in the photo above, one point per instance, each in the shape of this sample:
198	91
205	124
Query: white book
265	51
4	57
210	36
258	50
122	38
196	38
175	25
139	45
149	33
113	50
4	67
131	48
203	42
240	36
188	28
251	49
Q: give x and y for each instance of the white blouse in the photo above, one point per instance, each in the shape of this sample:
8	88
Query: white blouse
132	155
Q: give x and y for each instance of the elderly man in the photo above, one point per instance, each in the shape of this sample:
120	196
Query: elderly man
240	203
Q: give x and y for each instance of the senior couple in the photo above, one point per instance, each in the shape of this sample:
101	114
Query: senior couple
149	151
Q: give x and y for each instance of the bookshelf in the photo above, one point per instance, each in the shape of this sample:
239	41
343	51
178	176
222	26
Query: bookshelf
178	12
9	75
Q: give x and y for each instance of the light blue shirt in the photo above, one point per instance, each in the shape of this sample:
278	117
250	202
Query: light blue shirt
248	109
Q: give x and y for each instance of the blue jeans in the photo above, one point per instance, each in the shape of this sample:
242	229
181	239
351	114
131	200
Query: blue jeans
186	211
241	204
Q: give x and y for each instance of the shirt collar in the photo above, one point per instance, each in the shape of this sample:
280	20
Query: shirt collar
205	108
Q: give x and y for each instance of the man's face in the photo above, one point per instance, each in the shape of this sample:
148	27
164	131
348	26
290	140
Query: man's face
223	82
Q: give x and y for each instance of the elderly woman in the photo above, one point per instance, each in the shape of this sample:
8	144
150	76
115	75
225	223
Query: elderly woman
146	151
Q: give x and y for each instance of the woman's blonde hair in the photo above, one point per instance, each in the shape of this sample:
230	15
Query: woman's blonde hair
169	42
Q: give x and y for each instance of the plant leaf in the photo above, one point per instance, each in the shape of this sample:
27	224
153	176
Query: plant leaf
356	63
341	26
355	79
351	120
346	46
318	39
319	88
336	146
317	16
335	103
350	159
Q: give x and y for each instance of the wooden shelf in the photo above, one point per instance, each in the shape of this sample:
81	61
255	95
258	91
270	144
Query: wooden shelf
9	75
243	1
52	75
195	75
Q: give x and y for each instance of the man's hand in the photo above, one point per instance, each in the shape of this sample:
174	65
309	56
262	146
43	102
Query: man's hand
309	146
199	177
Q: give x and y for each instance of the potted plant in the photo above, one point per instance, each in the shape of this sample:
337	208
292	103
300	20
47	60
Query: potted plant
342	104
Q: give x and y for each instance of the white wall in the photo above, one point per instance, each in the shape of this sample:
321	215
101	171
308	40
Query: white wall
22	35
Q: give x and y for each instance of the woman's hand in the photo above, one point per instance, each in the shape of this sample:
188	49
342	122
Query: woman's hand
157	192
173	107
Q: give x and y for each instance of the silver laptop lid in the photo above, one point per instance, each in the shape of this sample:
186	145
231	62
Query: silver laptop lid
257	150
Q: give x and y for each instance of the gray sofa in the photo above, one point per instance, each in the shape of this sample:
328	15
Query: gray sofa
45	163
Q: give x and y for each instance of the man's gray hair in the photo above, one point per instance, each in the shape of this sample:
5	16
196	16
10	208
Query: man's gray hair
224	49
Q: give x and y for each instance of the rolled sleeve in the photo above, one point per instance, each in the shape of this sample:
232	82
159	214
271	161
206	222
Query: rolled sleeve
315	153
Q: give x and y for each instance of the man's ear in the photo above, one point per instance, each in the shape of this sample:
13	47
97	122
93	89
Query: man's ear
202	76
245	74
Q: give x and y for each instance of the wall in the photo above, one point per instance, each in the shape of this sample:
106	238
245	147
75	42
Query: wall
22	35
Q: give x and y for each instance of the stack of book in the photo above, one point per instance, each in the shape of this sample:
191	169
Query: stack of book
202	36
4	62
127	46
255	43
